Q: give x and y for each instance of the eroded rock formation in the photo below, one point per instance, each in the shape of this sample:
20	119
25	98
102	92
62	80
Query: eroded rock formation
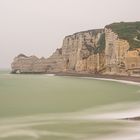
106	51
32	64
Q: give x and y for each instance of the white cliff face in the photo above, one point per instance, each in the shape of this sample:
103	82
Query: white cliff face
78	51
133	62
32	64
55	63
93	51
78	54
115	52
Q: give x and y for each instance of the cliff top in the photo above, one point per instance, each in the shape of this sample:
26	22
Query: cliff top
129	31
22	55
92	31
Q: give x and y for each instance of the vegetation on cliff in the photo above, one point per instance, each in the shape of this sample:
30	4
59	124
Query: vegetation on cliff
129	31
99	47
100	44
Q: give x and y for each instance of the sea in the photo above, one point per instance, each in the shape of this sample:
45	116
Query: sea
49	107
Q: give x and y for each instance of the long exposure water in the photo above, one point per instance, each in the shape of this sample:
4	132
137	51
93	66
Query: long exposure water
44	107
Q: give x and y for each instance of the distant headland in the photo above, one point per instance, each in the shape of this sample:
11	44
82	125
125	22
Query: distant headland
114	50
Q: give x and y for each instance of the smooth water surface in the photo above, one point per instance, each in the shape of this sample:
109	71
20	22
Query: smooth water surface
47	107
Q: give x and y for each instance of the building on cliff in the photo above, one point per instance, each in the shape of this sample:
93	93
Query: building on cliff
112	50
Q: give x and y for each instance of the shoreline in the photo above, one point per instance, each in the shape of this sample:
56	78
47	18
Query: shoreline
103	77
123	78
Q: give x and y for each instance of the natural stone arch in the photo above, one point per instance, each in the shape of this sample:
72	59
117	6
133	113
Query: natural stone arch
17	71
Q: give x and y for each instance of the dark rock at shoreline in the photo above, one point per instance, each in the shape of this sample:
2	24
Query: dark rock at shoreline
133	118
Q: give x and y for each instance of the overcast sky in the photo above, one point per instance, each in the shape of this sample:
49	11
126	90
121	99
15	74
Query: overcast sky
37	27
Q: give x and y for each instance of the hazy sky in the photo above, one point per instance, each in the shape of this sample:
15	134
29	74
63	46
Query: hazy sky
39	26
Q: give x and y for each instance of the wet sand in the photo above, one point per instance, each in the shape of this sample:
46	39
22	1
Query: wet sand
116	77
78	74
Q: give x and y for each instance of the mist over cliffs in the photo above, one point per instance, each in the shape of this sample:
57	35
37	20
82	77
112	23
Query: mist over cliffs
112	50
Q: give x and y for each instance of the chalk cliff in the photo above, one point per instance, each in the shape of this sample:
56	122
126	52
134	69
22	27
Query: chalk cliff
112	50
79	52
25	64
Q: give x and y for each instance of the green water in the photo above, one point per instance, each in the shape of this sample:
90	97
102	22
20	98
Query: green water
62	108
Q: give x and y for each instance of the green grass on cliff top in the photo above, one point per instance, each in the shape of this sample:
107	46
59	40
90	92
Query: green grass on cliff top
127	31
